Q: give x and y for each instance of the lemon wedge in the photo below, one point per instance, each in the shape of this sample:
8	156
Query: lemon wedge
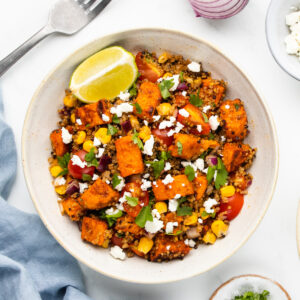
104	75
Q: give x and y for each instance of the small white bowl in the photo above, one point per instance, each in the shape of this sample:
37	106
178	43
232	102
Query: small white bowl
42	118
276	31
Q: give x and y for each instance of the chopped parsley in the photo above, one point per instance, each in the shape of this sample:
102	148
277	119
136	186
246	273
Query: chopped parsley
253	296
205	214
115	119
205	117
144	216
111	130
179	147
133	90
132	201
183	210
176	233
157	166
196	100
181	76
221	174
91	159
115	180
210	173
137	140
137	107
237	106
111	219
63	162
164	87
189	172
165	155
86	177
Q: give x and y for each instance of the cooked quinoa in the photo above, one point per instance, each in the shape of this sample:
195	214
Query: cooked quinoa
159	169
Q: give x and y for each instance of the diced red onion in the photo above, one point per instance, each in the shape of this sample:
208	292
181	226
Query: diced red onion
182	86
126	126
193	233
217	9
211	160
104	161
249	183
73	187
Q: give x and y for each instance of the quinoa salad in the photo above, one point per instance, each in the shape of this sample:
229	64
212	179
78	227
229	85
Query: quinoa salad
159	169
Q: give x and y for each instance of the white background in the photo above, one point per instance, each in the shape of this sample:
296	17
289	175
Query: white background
271	251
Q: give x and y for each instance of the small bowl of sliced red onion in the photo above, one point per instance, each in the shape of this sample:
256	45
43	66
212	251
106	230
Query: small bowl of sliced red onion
217	9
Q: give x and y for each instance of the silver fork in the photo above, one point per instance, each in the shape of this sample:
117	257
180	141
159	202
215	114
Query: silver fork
66	17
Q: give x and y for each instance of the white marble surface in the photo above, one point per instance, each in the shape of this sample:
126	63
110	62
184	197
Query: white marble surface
271	251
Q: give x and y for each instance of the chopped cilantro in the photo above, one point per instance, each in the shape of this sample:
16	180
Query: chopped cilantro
111	130
133	90
137	107
179	147
181	76
205	214
189	172
132	201
157	166
164	87
253	296
210	173
165	155
115	180
237	106
144	216
221	174
86	177
137	140
115	119
205	117
111	219
176	233
183	210
91	159
196	100
63	161
211	136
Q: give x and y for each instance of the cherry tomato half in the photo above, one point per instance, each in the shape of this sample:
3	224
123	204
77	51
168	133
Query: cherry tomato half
233	207
162	135
76	171
146	70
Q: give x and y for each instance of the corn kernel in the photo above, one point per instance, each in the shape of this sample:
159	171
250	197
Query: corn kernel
227	191
134	122
145	245
202	210
191	220
164	109
167	75
73	118
88	145
219	228
161	207
55	170
105	244
61	190
209	238
164	57
80	137
70	100
197	82
102	136
145	133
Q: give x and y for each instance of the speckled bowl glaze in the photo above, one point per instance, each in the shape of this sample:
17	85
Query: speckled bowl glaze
42	118
276	31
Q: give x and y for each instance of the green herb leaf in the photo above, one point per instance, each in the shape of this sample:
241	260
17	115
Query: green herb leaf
205	117
133	90
63	172
165	155
157	166
111	130
211	136
181	76
86	177
184	211
115	119
64	160
137	140
222	174
111	219
144	216
205	214
164	87
189	172
132	201
176	233
253	296
91	159
210	173
196	100
137	107
116	180
237	106
179	147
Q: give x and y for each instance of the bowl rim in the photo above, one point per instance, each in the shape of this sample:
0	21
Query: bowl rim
36	201
268	30
298	228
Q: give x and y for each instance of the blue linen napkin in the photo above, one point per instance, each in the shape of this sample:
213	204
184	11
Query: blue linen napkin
32	264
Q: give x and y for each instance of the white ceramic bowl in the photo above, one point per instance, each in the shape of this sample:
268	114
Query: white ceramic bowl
276	31
298	228
42	118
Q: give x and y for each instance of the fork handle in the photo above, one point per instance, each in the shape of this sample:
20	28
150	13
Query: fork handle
13	57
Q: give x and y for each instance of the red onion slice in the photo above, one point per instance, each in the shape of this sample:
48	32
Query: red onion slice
73	187
126	126
211	160
182	86
104	161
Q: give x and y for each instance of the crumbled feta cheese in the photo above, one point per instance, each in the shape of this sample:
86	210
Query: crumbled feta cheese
171	132
167	166
223	138
213	122
190	243
184	93
147	175
155	213
146	123
199	163
175	81
173	204
59	181
78	121
227	106
96	142
194	67
164	124
178	127
100	152
105	118
168	247
117	252
208	204
66	136
124	96
107	181
95	177
82	187
292	41
168	179
121	108
112	211
170	227
199	128
148	146
177	196
205	170
76	161
123	199
154	226
200	221
206	108
120	186
183	112
156	118
145	185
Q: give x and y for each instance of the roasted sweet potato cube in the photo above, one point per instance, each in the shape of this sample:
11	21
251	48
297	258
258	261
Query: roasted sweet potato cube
180	185
192	146
180	100
72	208
58	146
200	185
93	231
172	217
148	99
234	154
98	195
127	224
129	157
166	245
235	118
91	114
212	91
